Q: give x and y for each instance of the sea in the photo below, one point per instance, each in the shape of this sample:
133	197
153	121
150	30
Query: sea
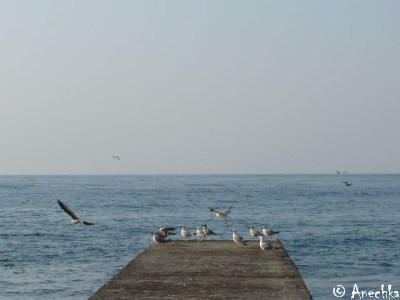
341	238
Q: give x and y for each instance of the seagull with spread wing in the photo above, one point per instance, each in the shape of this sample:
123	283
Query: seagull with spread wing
222	215
75	219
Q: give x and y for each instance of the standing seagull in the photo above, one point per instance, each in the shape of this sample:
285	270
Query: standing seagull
270	233
237	238
255	233
200	233
185	233
207	231
264	245
222	215
75	219
347	183
158	237
166	231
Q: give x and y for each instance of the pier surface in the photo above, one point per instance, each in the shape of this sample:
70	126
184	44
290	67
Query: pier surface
207	270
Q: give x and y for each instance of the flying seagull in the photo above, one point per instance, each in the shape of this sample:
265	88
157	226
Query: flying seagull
347	183
116	157
340	172
222	215
75	219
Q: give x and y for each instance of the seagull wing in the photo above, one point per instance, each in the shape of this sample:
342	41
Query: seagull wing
67	210
228	210
87	223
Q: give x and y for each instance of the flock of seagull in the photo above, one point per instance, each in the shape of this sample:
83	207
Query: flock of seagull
162	234
202	232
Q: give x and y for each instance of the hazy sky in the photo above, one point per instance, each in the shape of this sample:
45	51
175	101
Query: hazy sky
199	86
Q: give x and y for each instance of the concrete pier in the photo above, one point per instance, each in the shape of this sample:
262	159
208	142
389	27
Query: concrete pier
207	270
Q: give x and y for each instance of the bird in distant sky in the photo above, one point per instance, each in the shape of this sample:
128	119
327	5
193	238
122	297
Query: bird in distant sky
347	183
75	219
340	172
116	157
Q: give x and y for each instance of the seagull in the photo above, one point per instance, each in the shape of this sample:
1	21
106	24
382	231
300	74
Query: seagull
165	231
347	183
158	237
207	231
199	233
264	245
237	238
185	233
222	215
340	172
270	233
116	157
75	219
254	233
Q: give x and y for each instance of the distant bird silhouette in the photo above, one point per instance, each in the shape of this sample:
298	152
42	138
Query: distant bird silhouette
340	172
116	157
347	183
75	219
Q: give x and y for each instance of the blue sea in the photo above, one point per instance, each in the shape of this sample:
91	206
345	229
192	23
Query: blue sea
336	235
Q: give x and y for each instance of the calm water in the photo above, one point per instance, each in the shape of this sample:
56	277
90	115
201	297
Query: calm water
334	234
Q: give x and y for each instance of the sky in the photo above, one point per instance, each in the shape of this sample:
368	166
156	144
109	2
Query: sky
199	87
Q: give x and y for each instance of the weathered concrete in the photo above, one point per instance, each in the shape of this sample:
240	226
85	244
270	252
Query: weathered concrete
207	270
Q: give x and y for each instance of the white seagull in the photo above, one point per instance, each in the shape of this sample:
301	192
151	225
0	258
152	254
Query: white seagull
185	233
270	233
200	233
254	232
237	238
264	245
116	157
74	218
158	237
